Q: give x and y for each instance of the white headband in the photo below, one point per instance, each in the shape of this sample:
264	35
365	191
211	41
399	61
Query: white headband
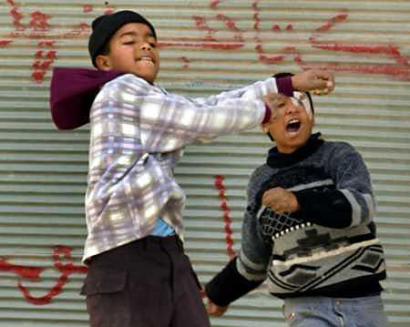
301	99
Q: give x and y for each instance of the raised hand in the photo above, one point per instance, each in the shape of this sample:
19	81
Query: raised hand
318	81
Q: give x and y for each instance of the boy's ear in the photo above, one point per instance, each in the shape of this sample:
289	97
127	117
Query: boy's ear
265	128
103	62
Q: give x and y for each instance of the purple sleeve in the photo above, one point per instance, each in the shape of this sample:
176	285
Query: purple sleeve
285	86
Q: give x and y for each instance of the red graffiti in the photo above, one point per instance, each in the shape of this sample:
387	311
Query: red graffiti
43	62
36	26
5	43
215	3
186	62
87	8
32	273
63	263
209	41
220	186
399	67
16	15
263	57
39	21
221	33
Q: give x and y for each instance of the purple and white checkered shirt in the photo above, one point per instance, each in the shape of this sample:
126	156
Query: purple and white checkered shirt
138	132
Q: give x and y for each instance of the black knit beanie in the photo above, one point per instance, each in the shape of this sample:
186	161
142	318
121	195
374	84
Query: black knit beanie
105	26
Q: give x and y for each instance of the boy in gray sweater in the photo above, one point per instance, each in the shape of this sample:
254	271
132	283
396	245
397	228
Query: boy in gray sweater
308	228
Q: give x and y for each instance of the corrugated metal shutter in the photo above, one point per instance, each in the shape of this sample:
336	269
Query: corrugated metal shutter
207	46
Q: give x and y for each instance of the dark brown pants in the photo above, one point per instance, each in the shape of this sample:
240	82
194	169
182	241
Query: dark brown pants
147	283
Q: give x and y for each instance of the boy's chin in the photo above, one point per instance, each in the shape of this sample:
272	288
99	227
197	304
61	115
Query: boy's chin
150	78
293	144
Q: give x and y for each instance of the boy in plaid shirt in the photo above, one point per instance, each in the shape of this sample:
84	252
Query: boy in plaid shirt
138	272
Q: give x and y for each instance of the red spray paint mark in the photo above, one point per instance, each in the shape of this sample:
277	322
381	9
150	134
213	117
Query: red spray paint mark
79	31
402	73
400	67
32	273
210	41
256	16
276	28
42	63
5	43
387	51
16	15
61	254
63	262
202	25
220	186
215	3
231	25
330	23
39	21
186	62
181	43
263	57
46	44
87	8
39	28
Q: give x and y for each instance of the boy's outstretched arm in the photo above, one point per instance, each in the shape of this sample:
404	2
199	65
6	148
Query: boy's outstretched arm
229	285
248	270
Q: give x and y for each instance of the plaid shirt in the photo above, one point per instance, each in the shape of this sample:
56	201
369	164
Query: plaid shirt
138	131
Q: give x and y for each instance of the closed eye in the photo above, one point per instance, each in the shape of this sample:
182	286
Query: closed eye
279	104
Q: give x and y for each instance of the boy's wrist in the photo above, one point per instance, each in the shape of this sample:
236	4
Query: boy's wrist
229	285
285	85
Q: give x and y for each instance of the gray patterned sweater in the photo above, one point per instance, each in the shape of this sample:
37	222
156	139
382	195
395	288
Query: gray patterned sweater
328	248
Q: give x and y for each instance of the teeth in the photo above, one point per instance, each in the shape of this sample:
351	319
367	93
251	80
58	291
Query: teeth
293	121
146	58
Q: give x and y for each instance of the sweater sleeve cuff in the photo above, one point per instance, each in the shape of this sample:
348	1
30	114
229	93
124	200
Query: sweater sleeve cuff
304	198
229	285
284	85
318	207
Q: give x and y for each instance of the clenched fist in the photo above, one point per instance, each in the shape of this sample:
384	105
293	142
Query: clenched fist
280	200
213	309
315	80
